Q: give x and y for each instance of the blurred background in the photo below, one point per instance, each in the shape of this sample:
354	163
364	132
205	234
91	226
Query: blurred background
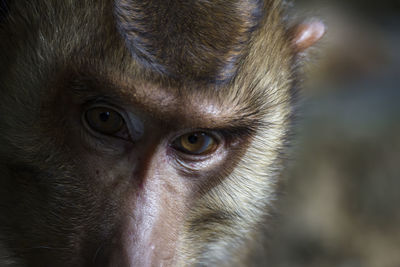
342	202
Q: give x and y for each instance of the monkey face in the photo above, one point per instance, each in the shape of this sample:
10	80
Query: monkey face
142	133
149	152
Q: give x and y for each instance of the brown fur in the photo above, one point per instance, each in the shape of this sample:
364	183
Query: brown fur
199	40
226	65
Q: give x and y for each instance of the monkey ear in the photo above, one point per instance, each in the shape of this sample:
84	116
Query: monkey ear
307	34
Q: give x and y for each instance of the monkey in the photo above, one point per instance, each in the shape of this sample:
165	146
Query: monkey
143	133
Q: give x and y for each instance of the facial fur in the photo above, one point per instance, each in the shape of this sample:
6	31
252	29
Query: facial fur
74	196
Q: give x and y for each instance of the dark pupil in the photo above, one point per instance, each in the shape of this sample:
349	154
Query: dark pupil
104	116
192	139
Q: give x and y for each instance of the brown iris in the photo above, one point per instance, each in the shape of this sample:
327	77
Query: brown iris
104	120
198	143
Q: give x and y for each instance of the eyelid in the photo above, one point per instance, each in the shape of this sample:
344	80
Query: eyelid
218	136
219	140
131	121
207	145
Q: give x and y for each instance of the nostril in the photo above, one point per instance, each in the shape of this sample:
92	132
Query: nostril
110	257
98	257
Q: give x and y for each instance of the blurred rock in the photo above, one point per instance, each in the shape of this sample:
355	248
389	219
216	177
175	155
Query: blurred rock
341	206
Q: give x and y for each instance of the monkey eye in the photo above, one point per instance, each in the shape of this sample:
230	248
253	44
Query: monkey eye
104	120
197	143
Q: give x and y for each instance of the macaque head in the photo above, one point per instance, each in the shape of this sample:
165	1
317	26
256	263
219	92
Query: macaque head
142	133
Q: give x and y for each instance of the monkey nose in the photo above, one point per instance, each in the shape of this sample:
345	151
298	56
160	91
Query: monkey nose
137	248
147	234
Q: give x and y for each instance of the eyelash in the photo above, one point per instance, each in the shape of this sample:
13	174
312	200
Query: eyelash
97	104
222	137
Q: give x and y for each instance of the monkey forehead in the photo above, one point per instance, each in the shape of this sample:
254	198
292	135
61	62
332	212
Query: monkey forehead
185	105
187	108
188	40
